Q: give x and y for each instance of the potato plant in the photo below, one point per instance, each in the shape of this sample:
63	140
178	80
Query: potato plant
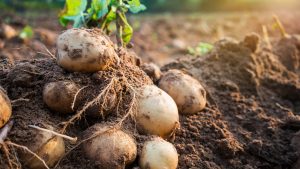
101	13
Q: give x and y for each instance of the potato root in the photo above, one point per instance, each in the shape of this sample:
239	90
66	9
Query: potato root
111	149
84	50
47	146
158	154
157	112
59	96
187	92
5	108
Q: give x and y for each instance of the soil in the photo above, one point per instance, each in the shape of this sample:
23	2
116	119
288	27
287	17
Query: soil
251	120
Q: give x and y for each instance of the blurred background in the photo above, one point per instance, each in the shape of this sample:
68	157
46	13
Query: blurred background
168	5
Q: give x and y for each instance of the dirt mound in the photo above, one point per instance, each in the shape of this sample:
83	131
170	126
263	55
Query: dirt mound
252	99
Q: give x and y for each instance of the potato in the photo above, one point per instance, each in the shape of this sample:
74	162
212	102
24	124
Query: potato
111	149
157	112
158	154
187	92
59	96
5	108
152	70
47	146
7	32
84	50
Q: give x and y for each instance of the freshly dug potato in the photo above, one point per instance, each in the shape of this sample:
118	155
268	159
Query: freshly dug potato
7	32
59	96
158	154
187	92
157	112
84	50
5	108
152	70
47	146
111	149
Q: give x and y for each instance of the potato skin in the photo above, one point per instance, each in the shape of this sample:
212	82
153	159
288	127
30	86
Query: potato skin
51	152
59	96
157	112
84	50
158	154
47	146
187	92
5	108
113	149
152	70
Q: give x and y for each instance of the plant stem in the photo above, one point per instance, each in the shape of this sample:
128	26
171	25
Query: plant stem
119	29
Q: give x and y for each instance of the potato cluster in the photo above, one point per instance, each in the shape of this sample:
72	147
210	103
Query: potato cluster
156	109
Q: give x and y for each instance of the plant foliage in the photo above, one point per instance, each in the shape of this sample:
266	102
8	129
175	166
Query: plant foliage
201	49
26	32
101	13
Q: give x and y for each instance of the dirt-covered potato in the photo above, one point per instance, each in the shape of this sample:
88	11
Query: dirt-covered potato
111	149
59	96
7	32
85	50
158	154
152	70
187	92
5	108
157	112
47	146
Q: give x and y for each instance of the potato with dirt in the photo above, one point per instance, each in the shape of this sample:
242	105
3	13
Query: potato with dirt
47	146
152	70
59	96
188	93
109	147
5	108
85	50
157	154
157	112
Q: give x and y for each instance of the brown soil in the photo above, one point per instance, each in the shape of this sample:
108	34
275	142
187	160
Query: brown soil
252	112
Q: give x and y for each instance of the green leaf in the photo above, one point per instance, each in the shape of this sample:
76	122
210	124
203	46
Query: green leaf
135	6
100	7
127	30
204	48
26	33
73	11
111	16
201	49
